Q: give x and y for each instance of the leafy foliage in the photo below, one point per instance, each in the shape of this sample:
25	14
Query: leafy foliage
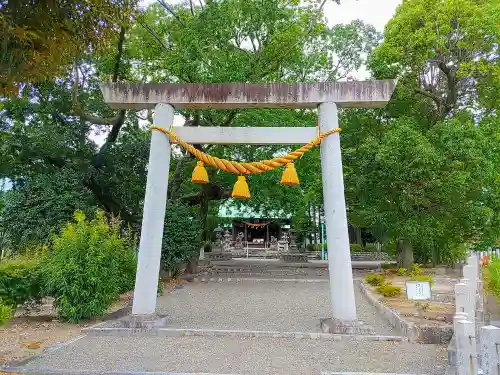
40	39
356	248
375	279
36	208
388	290
371	247
401	271
430	186
87	268
20	280
422	278
5	312
492	277
181	236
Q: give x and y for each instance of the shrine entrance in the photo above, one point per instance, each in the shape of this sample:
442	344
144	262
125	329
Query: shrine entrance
326	97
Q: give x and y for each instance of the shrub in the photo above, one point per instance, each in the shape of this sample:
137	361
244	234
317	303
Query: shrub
375	279
20	280
356	248
422	278
88	267
416	270
386	266
5	312
388	290
371	247
389	248
491	276
402	271
180	236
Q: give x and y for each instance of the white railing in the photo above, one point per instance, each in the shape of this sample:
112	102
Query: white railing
473	358
491	253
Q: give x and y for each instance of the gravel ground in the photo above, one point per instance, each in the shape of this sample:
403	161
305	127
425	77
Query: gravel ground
242	356
262	305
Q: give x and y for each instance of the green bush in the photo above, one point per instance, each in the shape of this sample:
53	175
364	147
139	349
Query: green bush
491	275
6	311
422	278
371	247
317	247
375	279
402	271
87	268
180	237
416	270
388	290
389	248
356	248
20	280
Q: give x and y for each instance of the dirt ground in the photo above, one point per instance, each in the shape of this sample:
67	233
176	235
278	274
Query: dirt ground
30	333
438	311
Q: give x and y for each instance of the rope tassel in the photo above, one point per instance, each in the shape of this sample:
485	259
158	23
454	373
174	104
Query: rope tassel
241	189
200	175
290	176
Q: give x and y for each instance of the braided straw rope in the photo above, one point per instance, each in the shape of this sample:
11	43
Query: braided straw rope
246	168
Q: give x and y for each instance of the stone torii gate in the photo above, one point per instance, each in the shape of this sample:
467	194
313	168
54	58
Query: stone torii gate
165	98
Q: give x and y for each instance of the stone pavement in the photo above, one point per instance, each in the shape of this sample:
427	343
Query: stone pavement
259	305
230	355
247	305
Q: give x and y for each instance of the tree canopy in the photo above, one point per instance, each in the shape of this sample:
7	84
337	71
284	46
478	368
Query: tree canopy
422	172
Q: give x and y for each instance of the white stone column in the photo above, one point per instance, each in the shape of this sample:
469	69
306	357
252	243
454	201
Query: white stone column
490	358
148	267
466	348
337	237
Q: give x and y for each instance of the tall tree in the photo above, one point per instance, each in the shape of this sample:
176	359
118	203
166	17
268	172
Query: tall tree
425	170
41	38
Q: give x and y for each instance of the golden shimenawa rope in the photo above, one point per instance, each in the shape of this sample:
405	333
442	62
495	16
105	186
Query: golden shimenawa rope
246	168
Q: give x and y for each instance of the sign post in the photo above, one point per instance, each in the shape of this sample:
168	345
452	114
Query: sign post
418	290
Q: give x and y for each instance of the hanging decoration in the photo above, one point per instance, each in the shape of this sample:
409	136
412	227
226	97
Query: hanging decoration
200	175
290	175
241	189
254	225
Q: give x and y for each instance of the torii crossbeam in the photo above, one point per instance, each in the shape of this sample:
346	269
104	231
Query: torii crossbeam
324	96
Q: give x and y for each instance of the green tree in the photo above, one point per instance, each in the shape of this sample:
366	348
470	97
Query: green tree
442	50
425	170
41	39
39	206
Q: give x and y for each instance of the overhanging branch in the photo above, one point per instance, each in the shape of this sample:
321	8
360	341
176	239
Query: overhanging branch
430	95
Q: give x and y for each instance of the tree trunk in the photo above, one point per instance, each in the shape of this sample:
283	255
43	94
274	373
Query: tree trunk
310	234
192	265
315	221
357	232
405	254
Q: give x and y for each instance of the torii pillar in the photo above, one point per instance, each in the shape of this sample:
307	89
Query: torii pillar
327	97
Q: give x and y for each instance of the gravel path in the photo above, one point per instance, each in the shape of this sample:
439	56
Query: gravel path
262	305
244	356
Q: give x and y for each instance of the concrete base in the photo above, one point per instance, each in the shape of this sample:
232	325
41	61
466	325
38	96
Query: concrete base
141	322
337	326
223	255
294	257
